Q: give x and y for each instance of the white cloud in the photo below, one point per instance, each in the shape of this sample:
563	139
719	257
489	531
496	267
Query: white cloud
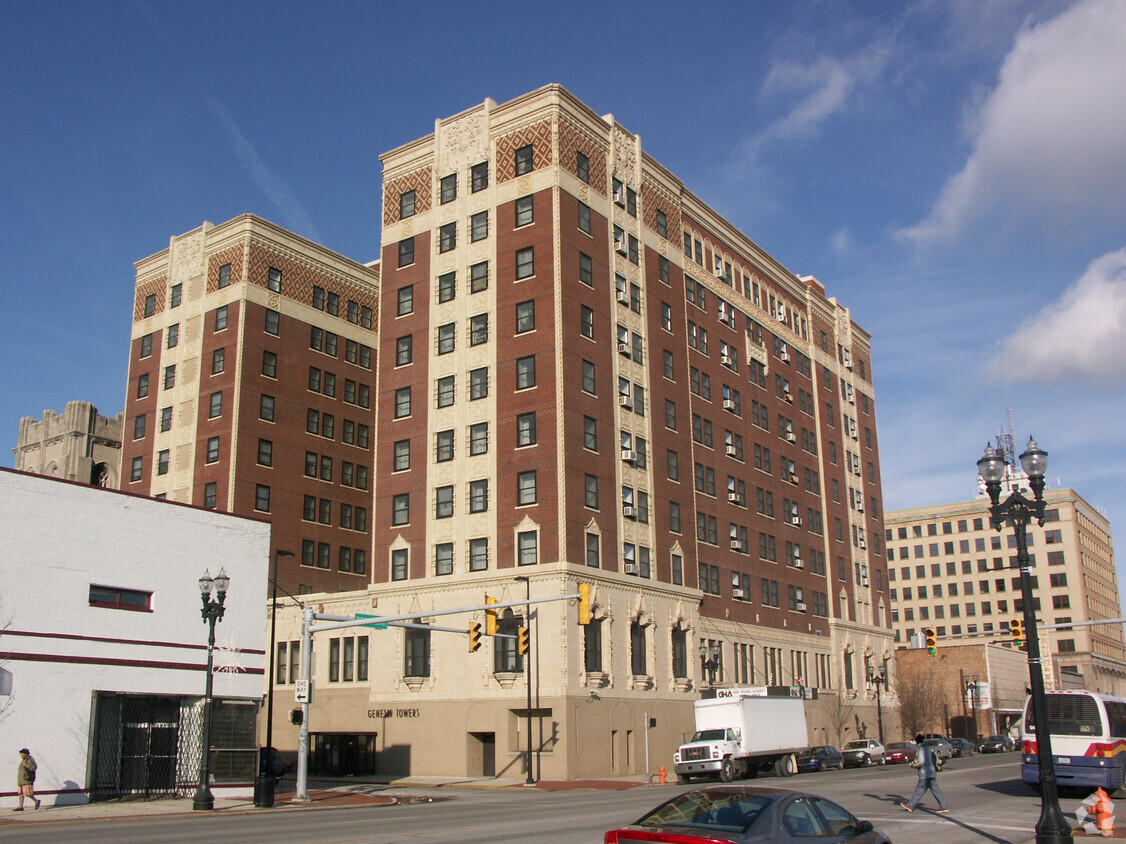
841	242
1080	337
1047	141
273	185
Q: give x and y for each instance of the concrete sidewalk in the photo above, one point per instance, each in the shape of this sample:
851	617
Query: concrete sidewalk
331	793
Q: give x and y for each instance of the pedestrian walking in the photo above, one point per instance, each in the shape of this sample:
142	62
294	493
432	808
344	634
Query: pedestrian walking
928	765
25	778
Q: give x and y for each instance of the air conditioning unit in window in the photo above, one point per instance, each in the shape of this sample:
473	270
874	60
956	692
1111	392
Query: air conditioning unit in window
733	497
729	404
732	451
860	506
781	315
623	297
798	564
632	568
801	606
624	400
788	396
727	361
719	273
851	397
795	521
620	195
863	544
791	436
784	356
737	593
628	511
629	456
620	247
856	470
793	479
736	545
623	348
864	580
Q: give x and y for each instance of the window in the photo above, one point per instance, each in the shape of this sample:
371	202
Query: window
273	322
586	269
404	350
443	446
146	346
478	439
662	223
109	597
173	335
526	429
162	462
479	277
406	252
447	237
445	391
479	177
586	322
406	204
478	383
584	217
637	649
590	433
444	502
524	211
447	287
262	498
527	552
402	456
221	318
479	226
524	160
525	316
446	338
525	372
416	652
478	554
266	408
525	263
399	559
479	496
212	450
170	376
582	170
165	418
136	469
405	300
588	382
209	494
591	492
402	402
447	188
177	293
478	329
217	361
265	453
215	405
444	558
142	385
150	304
526	488
401	509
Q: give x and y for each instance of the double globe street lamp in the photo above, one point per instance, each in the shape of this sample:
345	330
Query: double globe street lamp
1019	512
212	612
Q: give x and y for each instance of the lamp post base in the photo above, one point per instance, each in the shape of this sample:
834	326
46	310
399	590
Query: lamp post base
204	800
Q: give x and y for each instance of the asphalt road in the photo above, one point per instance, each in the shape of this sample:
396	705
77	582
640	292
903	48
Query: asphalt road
988	802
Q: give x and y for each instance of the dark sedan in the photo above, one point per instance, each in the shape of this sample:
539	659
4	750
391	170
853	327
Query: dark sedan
997	744
741	814
901	751
962	747
822	758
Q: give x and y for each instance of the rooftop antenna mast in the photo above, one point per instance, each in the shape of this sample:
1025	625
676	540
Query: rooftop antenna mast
1006	443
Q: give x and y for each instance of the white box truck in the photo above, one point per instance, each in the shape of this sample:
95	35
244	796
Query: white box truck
742	732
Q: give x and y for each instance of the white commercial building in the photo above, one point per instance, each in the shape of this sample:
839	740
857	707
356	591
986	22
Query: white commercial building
103	648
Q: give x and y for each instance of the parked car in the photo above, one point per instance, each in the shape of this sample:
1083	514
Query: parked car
859	753
941	747
900	751
997	744
962	747
740	814
822	758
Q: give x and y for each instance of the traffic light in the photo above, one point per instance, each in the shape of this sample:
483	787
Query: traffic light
474	636
490	618
932	641
296	716
1016	630
522	641
584	603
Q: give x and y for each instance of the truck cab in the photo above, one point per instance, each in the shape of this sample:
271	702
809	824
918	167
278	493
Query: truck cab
709	753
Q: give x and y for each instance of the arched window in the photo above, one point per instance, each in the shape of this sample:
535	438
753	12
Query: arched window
637	649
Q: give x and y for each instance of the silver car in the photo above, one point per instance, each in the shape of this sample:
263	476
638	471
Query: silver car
941	747
861	753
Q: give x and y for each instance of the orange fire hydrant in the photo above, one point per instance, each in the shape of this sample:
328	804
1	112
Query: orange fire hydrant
1103	816
662	775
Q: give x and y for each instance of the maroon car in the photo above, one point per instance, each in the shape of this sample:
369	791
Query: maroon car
901	751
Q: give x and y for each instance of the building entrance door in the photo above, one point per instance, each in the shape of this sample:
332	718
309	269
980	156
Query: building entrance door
482	755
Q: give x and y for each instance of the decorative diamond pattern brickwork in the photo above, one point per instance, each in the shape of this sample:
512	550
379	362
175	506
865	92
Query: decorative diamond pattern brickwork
538	135
654	199
574	139
157	287
421	181
232	256
299	275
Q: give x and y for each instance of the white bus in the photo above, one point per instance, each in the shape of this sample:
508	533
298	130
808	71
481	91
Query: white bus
1088	732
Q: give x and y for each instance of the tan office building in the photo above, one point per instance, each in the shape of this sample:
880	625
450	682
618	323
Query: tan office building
951	571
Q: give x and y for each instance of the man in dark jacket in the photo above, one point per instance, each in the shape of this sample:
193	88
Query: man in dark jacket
927	763
25	778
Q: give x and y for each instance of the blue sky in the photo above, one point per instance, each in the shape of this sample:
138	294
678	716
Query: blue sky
953	172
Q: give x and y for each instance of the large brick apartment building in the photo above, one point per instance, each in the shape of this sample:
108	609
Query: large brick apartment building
584	373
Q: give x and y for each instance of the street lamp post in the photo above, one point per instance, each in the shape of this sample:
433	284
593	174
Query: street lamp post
264	785
710	660
880	679
529	780
1019	512
212	612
